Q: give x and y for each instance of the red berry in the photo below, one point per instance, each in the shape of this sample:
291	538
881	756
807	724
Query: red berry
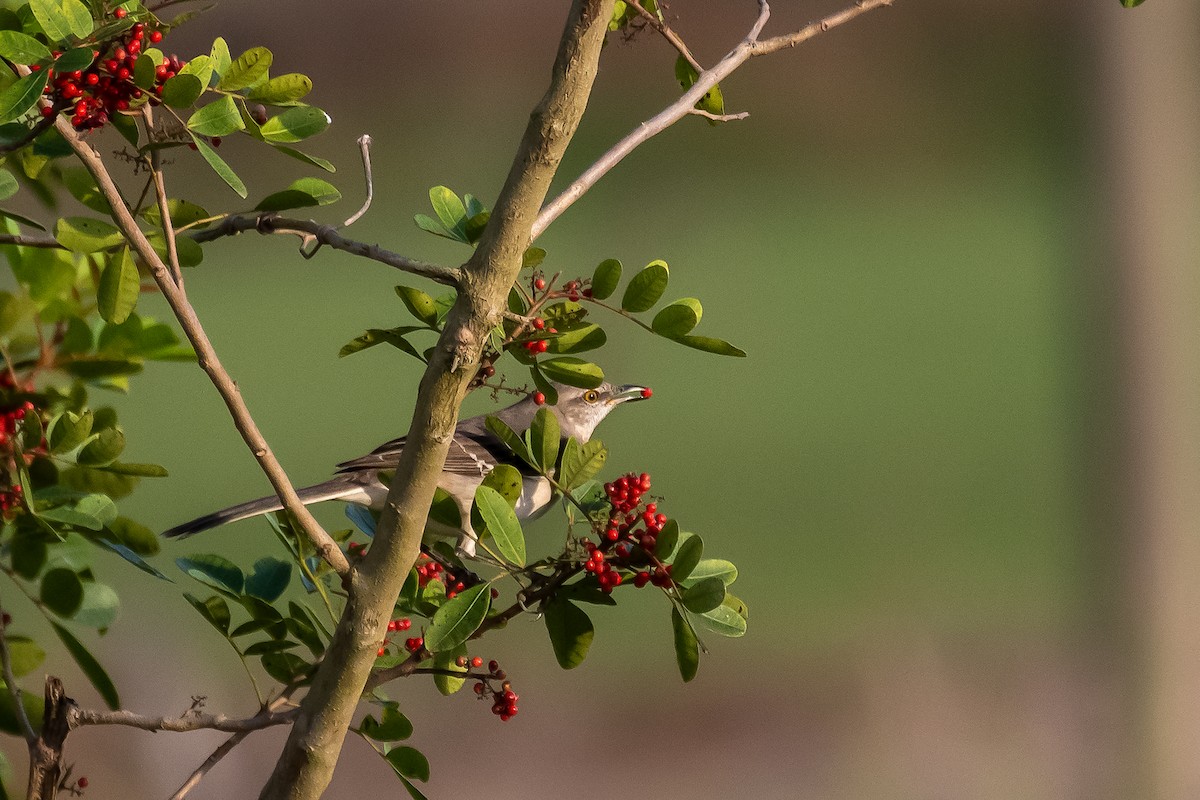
47	111
493	666
83	782
381	652
120	13
216	141
476	662
539	398
647	393
641	579
539	284
156	36
539	323
461	661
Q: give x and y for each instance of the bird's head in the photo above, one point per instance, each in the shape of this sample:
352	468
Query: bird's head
579	411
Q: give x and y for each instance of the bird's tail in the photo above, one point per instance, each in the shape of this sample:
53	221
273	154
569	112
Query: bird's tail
330	490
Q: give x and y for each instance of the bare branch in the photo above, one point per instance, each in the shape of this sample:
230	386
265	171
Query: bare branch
206	355
749	47
30	240
327	235
14	691
46	752
364	144
700	112
225	748
164	208
654	22
185	723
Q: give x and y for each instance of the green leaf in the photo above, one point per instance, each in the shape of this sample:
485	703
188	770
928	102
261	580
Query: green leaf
533	256
86	235
392	727
295	124
214	609
501	523
68	430
606	278
119	288
545	438
214	571
455	621
711	568
72	60
61	19
182	213
21	96
218	118
447	660
144	69
61	592
711	345
678	319
201	68
431	225
219	166
450	210
82	186
687	558
140	470
704	596
269	579
103	449
28	553
687	649
374	336
250	68
419	304
90	666
727	619
500	429
667	541
409	763
577	340
91	512
286	667
581	462
572	372
133	535
646	288
571	632
25	655
302	193
182	90
713	101
1131	3
22	49
269	646
282	89
305	157
505	479
100	606
34	710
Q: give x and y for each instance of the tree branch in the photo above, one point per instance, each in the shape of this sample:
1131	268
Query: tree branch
749	47
46	753
306	765
668	34
185	723
14	691
327	235
205	353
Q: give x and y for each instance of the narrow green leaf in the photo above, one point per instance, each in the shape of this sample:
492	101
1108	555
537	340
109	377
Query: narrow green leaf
450	210
646	288
219	166
606	278
73	60
545	439
214	571
90	667
61	591
21	49
282	89
510	438
501	524
133	535
572	371
374	336
182	90
61	19
219	57
690	551
678	318
218	118
455	621
687	649
580	463
249	68
86	235
215	610
667	541
302	193
140	470
571	632
711	345
419	304
704	596
305	157
295	124
119	288
21	96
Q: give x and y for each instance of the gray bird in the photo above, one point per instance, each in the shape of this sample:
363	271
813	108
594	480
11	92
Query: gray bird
474	451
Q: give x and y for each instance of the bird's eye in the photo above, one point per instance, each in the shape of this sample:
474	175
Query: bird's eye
591	396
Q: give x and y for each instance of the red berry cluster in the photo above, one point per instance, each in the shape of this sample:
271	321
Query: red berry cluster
504	699
414	643
572	290
12	495
106	87
631	535
401	624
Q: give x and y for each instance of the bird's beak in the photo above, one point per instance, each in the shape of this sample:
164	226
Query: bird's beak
630	392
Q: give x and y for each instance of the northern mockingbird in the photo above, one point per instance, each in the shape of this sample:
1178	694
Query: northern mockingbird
473	453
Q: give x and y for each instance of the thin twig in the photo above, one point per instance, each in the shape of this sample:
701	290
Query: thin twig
327	235
700	112
747	49
30	240
654	22
206	355
183	724
164	207
364	144
14	691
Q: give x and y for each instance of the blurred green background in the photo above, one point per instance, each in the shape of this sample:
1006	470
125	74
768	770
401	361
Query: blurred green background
908	468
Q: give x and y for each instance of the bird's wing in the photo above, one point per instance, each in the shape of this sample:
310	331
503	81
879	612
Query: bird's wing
472	453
